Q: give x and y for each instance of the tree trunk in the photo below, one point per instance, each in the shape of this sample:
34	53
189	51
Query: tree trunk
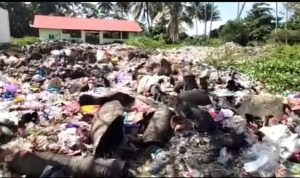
148	16
286	18
205	19
238	11
241	10
276	25
196	26
211	20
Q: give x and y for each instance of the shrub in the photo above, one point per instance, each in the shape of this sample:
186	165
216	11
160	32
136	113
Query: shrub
292	36
183	36
235	31
149	43
27	40
215	42
194	41
279	71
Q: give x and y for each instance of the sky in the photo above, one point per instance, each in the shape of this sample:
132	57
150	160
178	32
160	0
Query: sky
228	11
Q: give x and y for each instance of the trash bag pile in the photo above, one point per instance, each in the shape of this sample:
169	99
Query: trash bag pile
72	109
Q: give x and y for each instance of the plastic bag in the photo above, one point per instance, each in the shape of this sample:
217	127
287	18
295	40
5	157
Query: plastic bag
224	156
266	158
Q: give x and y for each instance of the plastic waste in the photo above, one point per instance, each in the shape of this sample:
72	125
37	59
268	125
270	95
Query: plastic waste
56	52
275	132
99	55
124	79
237	123
69	138
159	161
224	156
5	105
37	78
265	158
89	109
289	146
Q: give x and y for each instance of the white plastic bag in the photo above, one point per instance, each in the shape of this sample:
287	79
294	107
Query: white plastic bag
224	156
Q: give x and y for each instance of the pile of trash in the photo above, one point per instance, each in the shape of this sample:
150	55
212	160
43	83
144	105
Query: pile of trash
79	110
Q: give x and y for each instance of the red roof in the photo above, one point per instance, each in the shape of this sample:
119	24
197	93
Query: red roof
71	23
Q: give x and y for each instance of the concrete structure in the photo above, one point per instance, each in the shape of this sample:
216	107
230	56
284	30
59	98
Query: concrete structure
97	31
4	27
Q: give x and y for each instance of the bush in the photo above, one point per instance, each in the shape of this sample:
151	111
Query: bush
215	42
279	71
235	31
183	36
292	36
149	43
28	40
194	41
4	46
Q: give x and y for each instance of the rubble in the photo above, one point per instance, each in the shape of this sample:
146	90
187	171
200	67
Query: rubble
81	110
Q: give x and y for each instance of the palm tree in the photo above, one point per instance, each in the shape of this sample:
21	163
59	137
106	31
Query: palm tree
195	12
276	25
89	10
205	18
141	11
214	16
146	11
123	7
105	7
176	14
238	11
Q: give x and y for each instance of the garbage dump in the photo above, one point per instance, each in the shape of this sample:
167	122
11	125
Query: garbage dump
77	110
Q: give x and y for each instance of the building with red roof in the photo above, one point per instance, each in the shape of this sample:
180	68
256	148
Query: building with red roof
96	31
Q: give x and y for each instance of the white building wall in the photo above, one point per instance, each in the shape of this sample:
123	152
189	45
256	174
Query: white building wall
4	27
44	34
83	36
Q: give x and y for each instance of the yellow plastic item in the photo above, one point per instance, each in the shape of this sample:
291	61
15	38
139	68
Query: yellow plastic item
114	59
89	109
35	88
19	99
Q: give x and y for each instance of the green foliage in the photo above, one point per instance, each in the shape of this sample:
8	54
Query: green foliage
194	41
235	31
215	42
148	43
183	36
292	36
278	69
260	22
28	40
4	46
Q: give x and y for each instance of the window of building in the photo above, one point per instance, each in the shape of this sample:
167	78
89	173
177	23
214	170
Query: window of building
115	35
51	37
73	33
124	35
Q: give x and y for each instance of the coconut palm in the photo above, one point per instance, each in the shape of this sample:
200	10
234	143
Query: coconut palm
146	11
214	15
195	11
240	12
209	8
123	8
176	13
105	7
